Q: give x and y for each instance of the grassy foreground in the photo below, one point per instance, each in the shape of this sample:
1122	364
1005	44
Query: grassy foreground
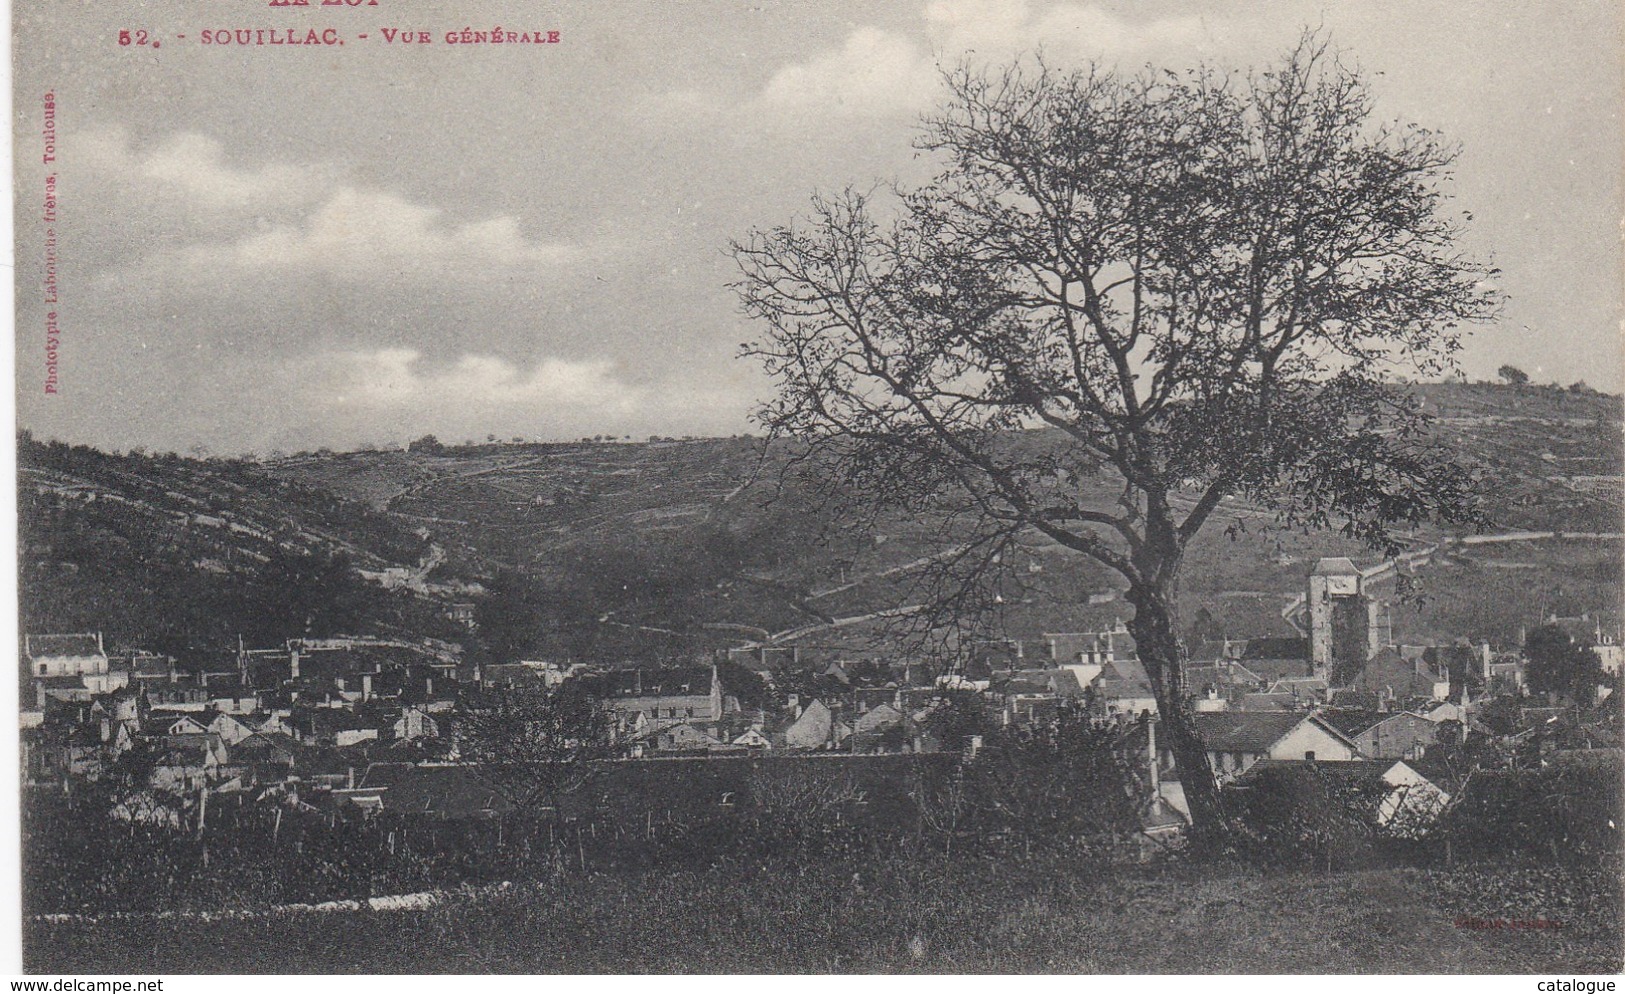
916	916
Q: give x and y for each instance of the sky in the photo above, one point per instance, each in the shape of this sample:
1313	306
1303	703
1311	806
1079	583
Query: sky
276	248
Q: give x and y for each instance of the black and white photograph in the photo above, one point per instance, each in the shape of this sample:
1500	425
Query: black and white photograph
742	487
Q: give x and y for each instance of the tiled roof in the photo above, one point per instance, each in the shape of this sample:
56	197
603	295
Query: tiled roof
1350	721
1245	731
1336	566
1276	647
60	682
1342	770
1124	678
1268	702
685	681
72	646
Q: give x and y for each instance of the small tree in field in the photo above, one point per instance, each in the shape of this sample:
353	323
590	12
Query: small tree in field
1123	301
1512	376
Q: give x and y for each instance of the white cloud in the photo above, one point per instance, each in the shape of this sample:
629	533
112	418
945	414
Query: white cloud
1004	28
359	233
397	378
876	72
194	166
203	217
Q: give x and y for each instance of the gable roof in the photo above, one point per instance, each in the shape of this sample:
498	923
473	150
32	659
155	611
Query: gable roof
160	722
684	735
1298	685
1124	677
1067	683
1253	731
1351	721
878	718
1349	771
263	745
70	646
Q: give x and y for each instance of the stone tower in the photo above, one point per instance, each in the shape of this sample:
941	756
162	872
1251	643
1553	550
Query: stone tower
1339	617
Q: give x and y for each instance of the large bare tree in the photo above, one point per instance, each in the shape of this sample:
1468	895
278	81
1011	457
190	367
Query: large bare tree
1125	300
537	745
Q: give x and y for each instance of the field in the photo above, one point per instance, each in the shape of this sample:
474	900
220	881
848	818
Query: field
925	916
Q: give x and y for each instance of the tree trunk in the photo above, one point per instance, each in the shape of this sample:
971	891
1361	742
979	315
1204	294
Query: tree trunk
1158	648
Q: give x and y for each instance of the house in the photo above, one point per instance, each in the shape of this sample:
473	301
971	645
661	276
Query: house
1398	736
166	724
815	728
66	656
54	752
683	737
231	697
1227	678
60	688
149	668
753	739
1395	678
998	654
1446	711
1504	674
525	674
189	765
264	749
180	695
266	722
123	705
416	723
691	693
1028	694
1236	740
876	720
1405	800
1109	643
230	727
1123	687
1277	657
332	726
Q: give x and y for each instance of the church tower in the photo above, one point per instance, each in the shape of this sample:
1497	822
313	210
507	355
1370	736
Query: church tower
1339	618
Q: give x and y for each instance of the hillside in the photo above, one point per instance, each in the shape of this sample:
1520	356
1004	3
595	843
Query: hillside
699	543
183	555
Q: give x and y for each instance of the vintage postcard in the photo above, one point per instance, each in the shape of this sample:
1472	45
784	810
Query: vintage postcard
751	487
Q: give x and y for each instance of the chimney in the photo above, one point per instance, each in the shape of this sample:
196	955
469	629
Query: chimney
1309	757
366	686
975	747
1151	750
